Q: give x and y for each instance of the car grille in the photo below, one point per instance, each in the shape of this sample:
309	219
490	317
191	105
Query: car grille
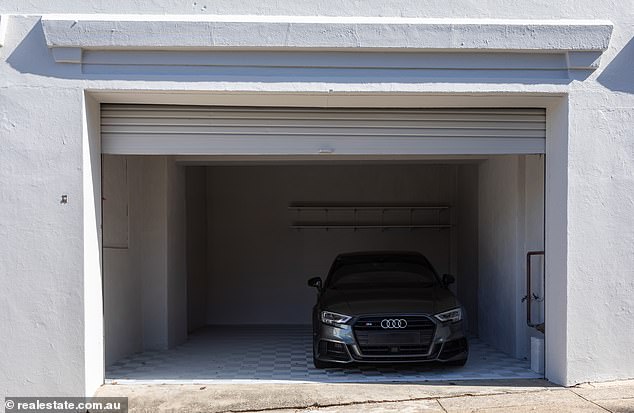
374	340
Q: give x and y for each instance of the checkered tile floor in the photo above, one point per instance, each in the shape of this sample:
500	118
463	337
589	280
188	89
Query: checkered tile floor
283	354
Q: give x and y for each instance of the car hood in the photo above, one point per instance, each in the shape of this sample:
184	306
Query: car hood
430	300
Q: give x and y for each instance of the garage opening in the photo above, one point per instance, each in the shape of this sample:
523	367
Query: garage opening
206	257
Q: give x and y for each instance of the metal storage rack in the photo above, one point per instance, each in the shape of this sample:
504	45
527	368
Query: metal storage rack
324	216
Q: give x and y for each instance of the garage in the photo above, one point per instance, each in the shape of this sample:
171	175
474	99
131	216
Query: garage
215	217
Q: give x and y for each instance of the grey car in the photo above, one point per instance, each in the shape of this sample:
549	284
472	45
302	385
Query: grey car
386	307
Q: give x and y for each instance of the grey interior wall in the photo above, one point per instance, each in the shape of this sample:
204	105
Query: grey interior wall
467	242
499	202
533	241
144	277
258	267
196	204
148	211
510	224
176	255
121	284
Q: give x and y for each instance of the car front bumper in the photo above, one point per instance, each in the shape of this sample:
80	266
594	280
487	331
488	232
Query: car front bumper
340	345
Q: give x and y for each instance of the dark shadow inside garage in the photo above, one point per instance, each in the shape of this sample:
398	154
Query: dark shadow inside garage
206	261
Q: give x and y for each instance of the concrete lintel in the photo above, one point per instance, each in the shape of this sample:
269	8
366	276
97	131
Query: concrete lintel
137	32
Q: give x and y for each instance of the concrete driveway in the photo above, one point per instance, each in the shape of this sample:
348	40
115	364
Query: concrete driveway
469	396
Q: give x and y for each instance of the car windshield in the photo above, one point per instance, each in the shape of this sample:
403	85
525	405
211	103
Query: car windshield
368	275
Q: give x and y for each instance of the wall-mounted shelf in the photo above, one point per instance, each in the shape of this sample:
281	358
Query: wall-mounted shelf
370	226
365	216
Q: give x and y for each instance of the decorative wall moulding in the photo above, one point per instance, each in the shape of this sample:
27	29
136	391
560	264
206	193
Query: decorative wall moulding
417	44
146	31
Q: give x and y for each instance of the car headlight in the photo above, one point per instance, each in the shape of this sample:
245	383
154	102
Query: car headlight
334	319
450	316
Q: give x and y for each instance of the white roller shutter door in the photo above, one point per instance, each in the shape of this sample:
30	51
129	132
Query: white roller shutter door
217	130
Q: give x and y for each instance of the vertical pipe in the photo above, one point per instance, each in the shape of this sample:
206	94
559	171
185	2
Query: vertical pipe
528	286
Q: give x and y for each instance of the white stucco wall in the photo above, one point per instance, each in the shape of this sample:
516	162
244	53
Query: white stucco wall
48	259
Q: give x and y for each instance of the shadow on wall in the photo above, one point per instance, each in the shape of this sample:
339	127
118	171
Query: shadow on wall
618	74
33	56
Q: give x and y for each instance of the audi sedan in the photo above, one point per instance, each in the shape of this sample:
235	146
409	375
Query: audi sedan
386	307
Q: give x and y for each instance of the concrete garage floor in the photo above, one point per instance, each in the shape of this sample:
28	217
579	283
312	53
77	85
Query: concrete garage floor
468	396
282	354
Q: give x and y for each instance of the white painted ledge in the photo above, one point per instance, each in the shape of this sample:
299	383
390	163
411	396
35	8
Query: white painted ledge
140	31
68	35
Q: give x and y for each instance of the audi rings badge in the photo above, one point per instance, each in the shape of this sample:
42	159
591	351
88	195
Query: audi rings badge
389	323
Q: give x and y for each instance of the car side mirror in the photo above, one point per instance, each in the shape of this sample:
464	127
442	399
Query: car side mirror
448	279
315	282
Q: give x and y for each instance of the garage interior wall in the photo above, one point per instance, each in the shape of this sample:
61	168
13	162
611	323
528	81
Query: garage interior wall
144	254
258	266
510	223
189	246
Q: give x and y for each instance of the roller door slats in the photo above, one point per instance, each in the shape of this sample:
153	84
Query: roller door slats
387	117
186	123
298	132
130	129
132	108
